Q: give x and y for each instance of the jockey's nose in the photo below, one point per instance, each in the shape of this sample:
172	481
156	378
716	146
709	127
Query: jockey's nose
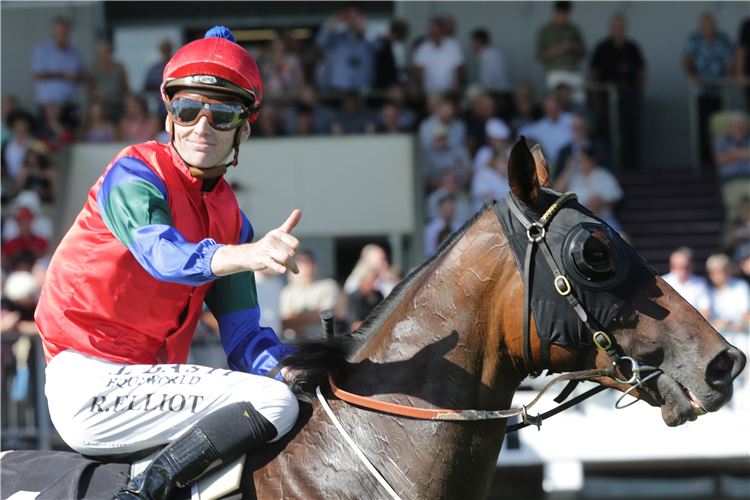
202	126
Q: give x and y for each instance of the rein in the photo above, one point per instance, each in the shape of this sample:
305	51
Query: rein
473	415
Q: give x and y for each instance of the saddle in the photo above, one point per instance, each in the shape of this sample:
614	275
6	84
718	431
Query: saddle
54	475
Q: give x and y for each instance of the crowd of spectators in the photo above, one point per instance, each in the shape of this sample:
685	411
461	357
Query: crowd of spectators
723	299
342	81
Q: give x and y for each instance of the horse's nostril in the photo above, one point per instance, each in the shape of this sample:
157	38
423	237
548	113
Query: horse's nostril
723	362
725	366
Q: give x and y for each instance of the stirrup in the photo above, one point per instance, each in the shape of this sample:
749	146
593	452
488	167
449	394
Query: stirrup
220	482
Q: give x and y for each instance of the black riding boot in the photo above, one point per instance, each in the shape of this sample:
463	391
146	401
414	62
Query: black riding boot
218	438
184	460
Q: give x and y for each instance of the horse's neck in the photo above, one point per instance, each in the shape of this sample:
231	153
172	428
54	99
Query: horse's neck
444	342
444	346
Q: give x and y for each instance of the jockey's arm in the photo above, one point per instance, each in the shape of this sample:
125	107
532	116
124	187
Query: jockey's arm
133	203
250	348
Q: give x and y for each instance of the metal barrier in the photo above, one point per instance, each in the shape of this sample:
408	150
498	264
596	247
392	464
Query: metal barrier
28	422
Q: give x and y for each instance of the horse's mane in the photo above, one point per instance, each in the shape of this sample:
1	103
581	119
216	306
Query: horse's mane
324	355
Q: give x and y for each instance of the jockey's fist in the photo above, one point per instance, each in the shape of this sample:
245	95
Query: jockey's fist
276	251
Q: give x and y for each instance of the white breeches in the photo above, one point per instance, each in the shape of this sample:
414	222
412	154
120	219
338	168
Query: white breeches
103	408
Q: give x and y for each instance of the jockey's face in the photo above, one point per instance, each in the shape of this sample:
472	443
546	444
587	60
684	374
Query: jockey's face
203	146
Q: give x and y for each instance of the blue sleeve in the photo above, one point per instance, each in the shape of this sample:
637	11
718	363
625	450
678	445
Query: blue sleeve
249	347
133	203
246	231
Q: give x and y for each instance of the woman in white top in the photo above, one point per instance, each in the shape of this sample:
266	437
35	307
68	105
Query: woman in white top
596	187
730	297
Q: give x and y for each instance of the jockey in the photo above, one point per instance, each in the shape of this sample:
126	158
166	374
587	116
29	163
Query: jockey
161	233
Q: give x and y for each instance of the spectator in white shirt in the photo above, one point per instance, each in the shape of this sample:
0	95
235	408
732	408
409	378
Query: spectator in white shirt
438	63
596	187
14	151
490	182
552	132
693	288
492	72
730	297
498	135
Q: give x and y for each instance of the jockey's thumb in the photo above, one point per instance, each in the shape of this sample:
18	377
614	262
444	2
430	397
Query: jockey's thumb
292	221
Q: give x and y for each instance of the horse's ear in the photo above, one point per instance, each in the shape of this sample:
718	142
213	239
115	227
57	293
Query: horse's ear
542	167
522	173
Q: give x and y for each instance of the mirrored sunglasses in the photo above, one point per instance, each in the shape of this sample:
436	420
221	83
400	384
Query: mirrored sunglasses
187	111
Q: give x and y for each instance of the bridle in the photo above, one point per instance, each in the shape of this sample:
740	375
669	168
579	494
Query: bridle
536	232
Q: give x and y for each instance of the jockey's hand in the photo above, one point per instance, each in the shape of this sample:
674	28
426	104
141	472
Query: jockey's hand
290	374
276	251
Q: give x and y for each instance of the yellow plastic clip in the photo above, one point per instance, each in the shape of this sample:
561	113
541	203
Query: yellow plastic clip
565	291
596	341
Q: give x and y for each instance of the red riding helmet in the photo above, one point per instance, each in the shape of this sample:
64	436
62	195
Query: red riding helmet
215	63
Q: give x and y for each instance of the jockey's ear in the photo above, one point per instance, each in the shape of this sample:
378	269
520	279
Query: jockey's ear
245	132
522	174
542	168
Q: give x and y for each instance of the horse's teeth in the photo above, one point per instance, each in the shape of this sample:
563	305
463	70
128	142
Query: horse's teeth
695	404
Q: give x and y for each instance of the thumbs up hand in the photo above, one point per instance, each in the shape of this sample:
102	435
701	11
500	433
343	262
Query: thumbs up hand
276	251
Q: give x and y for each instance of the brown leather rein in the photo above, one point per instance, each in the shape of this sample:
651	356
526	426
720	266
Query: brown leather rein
474	415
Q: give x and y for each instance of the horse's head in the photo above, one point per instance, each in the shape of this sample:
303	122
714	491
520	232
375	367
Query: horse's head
621	296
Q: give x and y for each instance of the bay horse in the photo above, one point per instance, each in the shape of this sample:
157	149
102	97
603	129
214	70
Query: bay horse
460	333
450	336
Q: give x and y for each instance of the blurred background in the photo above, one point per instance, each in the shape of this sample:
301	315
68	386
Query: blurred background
389	124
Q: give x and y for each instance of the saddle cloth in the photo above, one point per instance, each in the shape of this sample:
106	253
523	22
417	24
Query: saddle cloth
61	475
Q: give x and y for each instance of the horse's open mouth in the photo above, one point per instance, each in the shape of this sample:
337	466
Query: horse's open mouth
678	404
699	410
